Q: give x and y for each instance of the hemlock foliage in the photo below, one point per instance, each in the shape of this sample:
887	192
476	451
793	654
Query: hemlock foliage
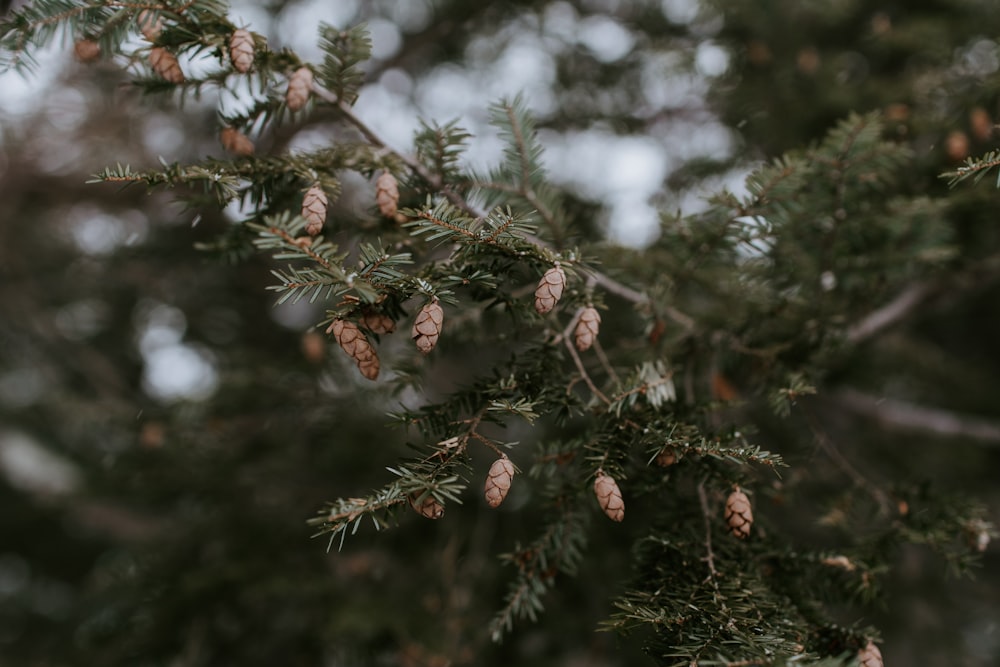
742	349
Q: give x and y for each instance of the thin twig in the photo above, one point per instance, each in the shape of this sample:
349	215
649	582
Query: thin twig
709	554
579	363
599	350
917	294
841	462
905	303
907	416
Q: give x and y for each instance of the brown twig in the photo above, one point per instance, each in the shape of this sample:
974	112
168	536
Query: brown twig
893	413
877	494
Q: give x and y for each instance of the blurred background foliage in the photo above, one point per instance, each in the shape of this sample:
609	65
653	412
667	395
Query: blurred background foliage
164	432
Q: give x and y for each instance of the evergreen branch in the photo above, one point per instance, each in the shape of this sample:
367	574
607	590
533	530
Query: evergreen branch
418	479
900	307
436	183
916	295
894	413
975	168
862	482
558	550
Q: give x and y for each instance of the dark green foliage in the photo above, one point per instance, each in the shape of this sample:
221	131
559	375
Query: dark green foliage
735	339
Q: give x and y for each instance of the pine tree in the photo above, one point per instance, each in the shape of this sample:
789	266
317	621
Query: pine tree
724	342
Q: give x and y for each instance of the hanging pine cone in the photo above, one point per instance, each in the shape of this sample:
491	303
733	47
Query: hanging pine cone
586	328
313	347
498	481
870	656
609	496
387	194
299	88
739	515
86	50
377	322
666	457
150	24
427	326
428	507
235	141
314	205
241	50
356	345
550	289
165	65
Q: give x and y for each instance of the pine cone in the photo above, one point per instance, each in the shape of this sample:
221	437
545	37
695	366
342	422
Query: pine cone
241	48
356	345
377	322
150	24
86	50
666	457
313	347
586	328
314	205
550	289
982	124
738	514
387	194
870	656
235	141
299	88
428	507
609	496
165	65
427	326
498	481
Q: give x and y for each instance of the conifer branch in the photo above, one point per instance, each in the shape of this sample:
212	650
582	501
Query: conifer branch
906	416
709	558
823	440
434	181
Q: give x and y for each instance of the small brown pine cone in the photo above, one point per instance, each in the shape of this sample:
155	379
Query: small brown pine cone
609	496
667	457
377	322
498	481
241	50
235	141
427	326
870	656
314	205
165	65
956	145
356	345
86	50
586	328
739	515
299	88
387	194
150	25
550	289
981	123
428	507
313	347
